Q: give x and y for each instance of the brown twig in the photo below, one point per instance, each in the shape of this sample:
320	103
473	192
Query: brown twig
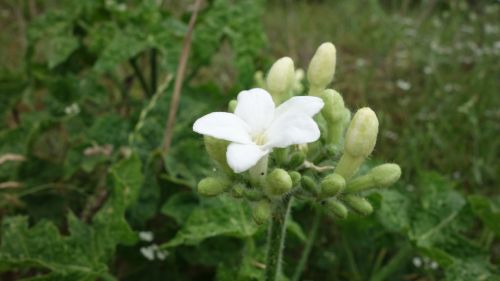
10	184
11	157
174	103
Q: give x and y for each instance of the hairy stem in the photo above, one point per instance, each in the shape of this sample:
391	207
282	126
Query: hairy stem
309	243
276	239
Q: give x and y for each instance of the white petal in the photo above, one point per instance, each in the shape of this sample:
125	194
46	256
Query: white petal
291	129
241	157
223	125
256	108
300	105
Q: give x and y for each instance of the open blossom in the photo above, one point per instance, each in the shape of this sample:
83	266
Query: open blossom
256	127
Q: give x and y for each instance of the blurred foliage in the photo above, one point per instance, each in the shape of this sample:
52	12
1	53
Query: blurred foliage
84	94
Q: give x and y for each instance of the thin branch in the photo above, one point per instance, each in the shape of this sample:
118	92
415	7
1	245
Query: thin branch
11	157
10	184
310	165
174	103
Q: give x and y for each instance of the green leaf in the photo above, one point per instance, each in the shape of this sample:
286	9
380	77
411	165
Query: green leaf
222	215
83	254
125	45
179	206
394	211
487	211
60	48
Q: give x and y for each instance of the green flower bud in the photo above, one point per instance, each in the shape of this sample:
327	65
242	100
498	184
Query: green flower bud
259	79
331	185
280	79
278	182
296	160
358	204
261	211
309	184
336	115
238	190
386	174
280	156
213	186
348	165
232	105
253	194
333	110
337	208
380	176
362	133
321	68
295	176
216	149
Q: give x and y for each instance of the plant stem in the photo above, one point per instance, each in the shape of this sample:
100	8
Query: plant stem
394	264
307	250
179	77
140	76
276	239
154	70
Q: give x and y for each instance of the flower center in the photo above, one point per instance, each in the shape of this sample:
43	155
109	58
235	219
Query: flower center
260	139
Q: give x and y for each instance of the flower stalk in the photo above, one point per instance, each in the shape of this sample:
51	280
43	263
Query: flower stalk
276	238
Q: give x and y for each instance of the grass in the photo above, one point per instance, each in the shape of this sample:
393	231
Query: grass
430	73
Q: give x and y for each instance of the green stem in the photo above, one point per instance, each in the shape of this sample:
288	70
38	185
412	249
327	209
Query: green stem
140	76
276	239
394	264
154	70
307	250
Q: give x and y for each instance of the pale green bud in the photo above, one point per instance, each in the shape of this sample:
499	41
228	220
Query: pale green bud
309	184
232	105
361	135
386	174
295	176
348	165
337	208
334	107
261	211
280	79
259	80
380	176
213	186
358	204
336	115
332	185
278	182
321	68
216	149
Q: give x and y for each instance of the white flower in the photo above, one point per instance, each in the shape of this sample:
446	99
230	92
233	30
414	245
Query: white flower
256	127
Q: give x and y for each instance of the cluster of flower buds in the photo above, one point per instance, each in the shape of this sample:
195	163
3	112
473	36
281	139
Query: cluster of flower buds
296	163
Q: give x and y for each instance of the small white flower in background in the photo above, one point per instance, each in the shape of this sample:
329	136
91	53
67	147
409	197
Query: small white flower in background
256	127
153	251
149	252
146	236
73	109
417	262
403	85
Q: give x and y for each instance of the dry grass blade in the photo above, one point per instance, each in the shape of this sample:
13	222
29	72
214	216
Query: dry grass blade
179	77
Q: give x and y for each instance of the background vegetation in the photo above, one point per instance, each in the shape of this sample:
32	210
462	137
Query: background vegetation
86	192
